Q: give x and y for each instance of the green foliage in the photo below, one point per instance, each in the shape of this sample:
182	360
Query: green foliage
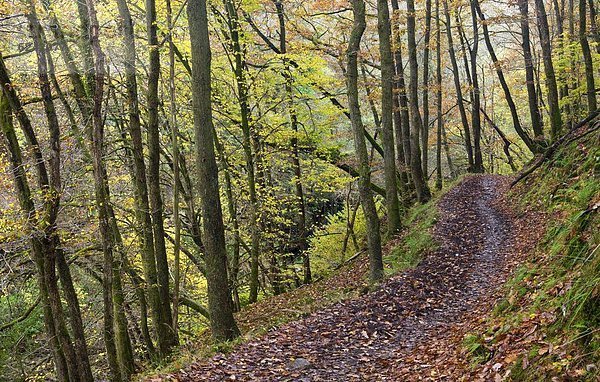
327	250
22	338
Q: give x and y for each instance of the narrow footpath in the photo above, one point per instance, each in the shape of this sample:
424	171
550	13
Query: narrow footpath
402	330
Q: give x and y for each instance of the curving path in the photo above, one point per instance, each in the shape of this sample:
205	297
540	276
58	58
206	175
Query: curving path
380	336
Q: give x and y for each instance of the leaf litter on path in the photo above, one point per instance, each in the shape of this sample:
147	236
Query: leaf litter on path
412	326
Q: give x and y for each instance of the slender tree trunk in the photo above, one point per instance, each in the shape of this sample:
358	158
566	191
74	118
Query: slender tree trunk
505	88
8	101
387	128
544	30
364	180
143	217
594	25
239	68
79	88
166	335
83	41
534	111
401	117
80	356
587	58
299	191
438	81
232	210
476	102
425	132
102	196
176	177
419	179
457	87
219	300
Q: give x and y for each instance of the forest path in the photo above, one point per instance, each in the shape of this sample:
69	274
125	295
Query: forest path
400	331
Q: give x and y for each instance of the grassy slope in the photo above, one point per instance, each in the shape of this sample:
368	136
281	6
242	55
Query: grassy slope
547	327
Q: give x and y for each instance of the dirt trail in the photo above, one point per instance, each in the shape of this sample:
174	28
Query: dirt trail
382	336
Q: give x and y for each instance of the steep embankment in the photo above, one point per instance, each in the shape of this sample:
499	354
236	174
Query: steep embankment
401	330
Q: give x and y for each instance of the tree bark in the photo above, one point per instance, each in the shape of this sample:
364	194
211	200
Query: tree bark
551	88
438	80
167	339
401	116
426	49
80	352
143	217
247	143
387	128
102	195
176	176
364	180
534	111
219	300
505	88
587	58
476	102
8	101
419	179
457	87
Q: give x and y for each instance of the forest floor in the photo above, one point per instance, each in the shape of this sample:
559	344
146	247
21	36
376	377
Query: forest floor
412	326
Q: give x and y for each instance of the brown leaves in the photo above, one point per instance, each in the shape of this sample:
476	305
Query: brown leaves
411	328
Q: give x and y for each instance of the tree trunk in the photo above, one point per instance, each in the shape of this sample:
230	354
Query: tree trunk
457	87
9	101
419	179
247	143
426	49
102	196
544	30
234	267
167	339
364	180
438	81
80	352
401	117
219	300
587	58
594	25
176	176
387	128
507	94
534	111
143	217
476	102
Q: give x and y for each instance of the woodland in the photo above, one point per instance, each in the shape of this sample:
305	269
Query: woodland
287	190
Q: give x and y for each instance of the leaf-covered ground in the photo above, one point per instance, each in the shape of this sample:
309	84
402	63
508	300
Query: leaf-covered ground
413	325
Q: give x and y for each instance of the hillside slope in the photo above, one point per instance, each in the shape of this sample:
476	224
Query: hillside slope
511	293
